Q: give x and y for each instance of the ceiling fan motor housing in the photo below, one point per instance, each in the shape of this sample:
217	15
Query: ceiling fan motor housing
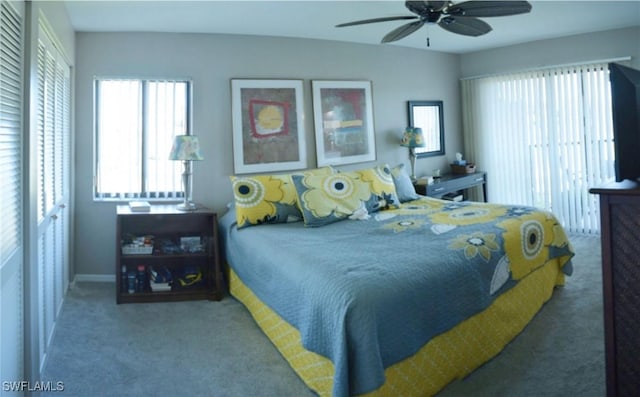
461	18
429	11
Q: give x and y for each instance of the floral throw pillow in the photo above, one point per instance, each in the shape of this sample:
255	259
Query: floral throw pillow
268	198
326	199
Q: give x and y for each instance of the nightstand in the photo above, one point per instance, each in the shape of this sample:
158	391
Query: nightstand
453	183
163	244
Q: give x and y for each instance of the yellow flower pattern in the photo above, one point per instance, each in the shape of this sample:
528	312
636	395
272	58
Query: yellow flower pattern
289	195
379	178
256	196
336	194
469	214
522	236
476	243
527	241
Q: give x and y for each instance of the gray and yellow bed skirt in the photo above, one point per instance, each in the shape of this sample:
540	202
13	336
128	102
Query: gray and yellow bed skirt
447	357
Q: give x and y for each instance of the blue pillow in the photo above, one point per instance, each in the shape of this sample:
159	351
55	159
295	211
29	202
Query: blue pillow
404	187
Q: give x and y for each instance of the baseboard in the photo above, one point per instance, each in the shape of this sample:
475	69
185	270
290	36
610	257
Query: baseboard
96	278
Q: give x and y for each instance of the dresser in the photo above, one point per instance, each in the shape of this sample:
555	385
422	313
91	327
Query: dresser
620	233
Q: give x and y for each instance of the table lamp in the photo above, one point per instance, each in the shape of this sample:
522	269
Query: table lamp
413	138
186	148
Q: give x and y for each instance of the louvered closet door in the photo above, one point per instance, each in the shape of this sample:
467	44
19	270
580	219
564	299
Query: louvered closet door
11	210
53	159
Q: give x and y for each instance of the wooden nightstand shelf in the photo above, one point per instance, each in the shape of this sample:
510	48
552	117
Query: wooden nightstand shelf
453	183
169	230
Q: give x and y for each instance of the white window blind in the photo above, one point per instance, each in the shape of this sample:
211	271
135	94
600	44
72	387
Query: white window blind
544	137
136	121
10	131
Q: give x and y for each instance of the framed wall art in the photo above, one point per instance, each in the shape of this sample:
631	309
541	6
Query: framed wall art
268	125
343	117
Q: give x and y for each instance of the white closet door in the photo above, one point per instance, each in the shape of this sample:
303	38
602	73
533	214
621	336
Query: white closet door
53	183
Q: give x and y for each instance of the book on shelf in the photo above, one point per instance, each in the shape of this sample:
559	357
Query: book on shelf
159	287
161	275
139	206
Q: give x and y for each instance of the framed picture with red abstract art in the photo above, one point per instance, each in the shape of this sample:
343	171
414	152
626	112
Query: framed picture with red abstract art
268	125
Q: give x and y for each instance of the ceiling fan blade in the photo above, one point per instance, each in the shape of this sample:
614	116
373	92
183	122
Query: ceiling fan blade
374	20
483	9
465	26
402	31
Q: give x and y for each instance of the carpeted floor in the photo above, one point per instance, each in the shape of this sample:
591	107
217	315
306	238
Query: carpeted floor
206	348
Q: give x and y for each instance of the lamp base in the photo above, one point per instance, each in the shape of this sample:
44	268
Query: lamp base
187	206
412	157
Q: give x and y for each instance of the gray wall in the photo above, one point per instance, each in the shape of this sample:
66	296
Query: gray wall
598	46
397	75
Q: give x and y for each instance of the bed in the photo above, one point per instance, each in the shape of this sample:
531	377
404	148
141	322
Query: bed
391	296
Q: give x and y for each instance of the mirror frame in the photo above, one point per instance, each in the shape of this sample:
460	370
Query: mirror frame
411	105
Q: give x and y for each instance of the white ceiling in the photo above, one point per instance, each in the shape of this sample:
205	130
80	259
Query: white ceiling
316	20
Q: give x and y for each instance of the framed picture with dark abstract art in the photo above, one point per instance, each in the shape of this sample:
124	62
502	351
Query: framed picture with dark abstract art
343	116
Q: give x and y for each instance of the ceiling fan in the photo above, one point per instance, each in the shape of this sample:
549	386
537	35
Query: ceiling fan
461	18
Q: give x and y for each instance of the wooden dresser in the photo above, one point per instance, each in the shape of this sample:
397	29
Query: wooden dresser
620	233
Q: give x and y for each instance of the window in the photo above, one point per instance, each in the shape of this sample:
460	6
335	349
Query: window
136	121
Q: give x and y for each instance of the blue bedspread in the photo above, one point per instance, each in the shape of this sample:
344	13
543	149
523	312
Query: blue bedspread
369	293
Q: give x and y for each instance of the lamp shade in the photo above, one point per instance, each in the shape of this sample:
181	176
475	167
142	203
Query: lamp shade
413	137
185	147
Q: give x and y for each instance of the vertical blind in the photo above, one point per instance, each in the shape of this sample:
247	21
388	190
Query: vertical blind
10	131
544	137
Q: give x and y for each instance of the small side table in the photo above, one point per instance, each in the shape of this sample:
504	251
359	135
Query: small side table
168	226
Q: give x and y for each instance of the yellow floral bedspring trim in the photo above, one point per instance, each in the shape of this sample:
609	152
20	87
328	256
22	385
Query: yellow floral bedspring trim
449	356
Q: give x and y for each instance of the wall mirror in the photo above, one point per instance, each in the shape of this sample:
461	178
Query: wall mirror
428	115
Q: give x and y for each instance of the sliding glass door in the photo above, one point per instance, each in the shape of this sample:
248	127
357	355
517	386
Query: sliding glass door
544	137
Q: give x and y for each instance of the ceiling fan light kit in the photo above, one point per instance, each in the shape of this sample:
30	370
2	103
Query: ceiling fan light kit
461	18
